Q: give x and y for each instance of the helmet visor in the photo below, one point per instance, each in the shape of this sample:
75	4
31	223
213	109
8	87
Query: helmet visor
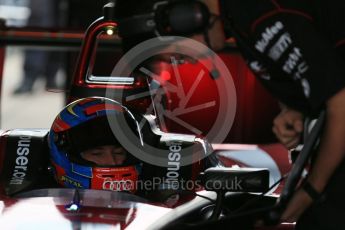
89	135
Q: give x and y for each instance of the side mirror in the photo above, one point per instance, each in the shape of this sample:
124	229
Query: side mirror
236	179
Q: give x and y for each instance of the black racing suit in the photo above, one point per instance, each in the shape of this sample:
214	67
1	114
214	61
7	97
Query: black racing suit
296	48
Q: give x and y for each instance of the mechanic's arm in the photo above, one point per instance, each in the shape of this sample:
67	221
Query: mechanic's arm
331	154
288	126
322	78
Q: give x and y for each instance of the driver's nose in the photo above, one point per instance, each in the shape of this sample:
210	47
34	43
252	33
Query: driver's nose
109	158
117	159
114	156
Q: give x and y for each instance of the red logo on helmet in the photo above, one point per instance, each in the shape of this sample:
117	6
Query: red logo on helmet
115	179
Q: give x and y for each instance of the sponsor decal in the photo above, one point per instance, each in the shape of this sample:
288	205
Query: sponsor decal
268	36
115	179
256	66
259	70
70	181
118	185
20	169
306	87
174	162
280	46
296	66
293	58
301	69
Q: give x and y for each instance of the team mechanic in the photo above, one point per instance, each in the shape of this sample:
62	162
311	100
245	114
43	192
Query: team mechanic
296	50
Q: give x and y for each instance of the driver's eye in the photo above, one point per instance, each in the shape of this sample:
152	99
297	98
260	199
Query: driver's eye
119	151
96	153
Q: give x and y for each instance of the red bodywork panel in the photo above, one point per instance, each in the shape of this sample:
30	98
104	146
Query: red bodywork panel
255	108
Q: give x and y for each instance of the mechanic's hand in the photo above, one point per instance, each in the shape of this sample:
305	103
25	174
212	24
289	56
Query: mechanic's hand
298	204
288	126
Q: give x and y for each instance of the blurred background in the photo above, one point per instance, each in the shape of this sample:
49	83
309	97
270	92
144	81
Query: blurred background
37	77
34	77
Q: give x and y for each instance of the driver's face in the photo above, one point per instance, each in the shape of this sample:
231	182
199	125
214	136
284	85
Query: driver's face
105	155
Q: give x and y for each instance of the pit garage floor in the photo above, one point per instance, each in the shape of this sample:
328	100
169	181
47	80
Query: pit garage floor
31	110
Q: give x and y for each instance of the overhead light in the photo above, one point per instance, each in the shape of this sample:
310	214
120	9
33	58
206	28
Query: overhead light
110	30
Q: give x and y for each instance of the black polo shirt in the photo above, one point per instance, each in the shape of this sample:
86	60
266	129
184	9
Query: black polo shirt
294	47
